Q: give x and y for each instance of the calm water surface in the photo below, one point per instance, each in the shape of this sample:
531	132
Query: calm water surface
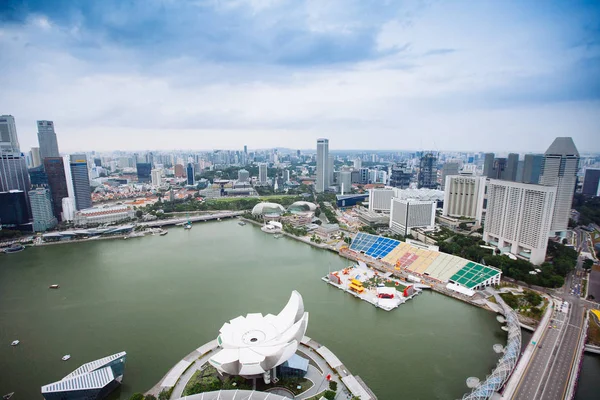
160	297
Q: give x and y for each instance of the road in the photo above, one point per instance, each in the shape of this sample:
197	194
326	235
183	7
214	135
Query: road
548	372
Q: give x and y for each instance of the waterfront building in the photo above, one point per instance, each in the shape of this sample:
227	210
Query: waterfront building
532	168
9	142
243	176
322	182
488	164
41	210
265	208
36	161
68	209
518	218
81	181
380	199
302	207
262	173
143	172
253	346
400	176
449	168
14	210
464	196
103	215
591	182
561	162
13	172
156	177
427	177
327	231
47	139
191	175
57	181
408	213
94	380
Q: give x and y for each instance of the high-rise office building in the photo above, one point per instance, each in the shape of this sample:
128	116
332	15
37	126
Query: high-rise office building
322	182
330	170
38	176
400	176
156	177
191	175
499	168
286	175
97	162
488	164
364	175
591	182
47	139
345	181
243	176
41	210
559	169
407	214
262	173
57	181
427	177
532	168
449	168
68	209
9	142
380	199
357	163
463	196
512	165
179	171
518	218
143	172
14	210
81	181
36	160
13	173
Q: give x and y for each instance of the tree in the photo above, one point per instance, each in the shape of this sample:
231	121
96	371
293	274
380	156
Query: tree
463	226
137	396
150	397
139	213
587	264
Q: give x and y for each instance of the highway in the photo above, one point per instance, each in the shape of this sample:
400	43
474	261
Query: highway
548	372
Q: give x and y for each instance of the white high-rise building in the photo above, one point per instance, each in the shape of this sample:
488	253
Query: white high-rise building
345	181
156	176
559	168
407	214
286	175
68	209
322	182
47	139
9	142
357	163
518	218
464	196
380	199
36	161
262	173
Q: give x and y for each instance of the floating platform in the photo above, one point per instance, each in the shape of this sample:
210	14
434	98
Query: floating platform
369	285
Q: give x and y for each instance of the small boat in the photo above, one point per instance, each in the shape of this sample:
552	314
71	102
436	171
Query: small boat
277	235
188	226
15	248
8	396
53	286
15	343
163	233
241	223
66	357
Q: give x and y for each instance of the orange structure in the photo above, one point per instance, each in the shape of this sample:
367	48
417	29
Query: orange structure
356	286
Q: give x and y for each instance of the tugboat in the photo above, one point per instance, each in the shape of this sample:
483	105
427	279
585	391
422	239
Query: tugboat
15	248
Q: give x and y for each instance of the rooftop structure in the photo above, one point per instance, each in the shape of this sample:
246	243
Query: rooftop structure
94	380
302	206
268	208
254	345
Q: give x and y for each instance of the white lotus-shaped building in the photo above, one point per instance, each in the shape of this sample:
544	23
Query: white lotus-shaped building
254	345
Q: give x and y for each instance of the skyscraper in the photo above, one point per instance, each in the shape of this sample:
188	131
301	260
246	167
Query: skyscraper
41	210
518	217
591	181
427	177
81	181
512	165
463	196
532	168
57	180
449	168
9	142
322	182
330	169
143	172
488	164
191	177
401	176
38	176
156	177
35	157
559	169
262	173
14	210
47	139
13	173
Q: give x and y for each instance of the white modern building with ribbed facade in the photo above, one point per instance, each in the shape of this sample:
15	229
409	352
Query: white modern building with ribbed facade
381	199
407	214
518	218
559	168
464	196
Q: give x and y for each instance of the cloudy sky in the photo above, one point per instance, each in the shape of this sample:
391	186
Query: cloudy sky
204	74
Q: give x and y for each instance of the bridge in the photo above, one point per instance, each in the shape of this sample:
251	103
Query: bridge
196	218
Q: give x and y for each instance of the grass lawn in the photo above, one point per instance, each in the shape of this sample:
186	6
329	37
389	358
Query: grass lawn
208	380
290	384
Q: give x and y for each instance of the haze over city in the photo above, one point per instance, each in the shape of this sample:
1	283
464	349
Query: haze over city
472	76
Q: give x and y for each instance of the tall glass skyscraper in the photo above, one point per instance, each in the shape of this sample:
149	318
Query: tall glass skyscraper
57	180
9	143
144	171
559	169
190	174
41	210
47	139
322	182
81	181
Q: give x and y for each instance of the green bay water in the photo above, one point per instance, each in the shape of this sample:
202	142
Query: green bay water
160	297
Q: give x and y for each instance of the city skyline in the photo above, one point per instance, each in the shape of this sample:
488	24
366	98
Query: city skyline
281	74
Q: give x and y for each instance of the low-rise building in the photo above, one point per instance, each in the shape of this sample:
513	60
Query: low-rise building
372	218
326	231
103	215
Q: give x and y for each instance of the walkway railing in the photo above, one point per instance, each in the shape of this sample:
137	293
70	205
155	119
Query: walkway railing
506	364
